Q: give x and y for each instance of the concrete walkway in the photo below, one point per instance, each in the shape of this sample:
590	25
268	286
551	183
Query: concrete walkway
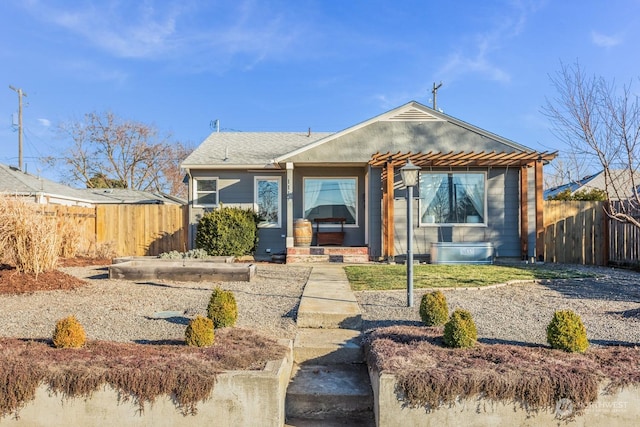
330	384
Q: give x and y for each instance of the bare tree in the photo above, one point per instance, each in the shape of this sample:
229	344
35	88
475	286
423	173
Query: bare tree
601	123
123	151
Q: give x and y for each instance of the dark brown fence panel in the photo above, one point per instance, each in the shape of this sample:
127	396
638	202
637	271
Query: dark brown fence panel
575	232
624	244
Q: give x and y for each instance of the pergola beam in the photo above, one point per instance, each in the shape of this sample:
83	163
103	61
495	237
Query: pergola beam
522	159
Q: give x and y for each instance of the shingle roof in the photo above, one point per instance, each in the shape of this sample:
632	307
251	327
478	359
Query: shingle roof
248	148
128	196
14	181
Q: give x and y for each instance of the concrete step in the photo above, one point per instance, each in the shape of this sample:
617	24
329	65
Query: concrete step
323	392
367	420
327	346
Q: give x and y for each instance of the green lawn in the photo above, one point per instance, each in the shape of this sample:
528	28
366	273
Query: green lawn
387	277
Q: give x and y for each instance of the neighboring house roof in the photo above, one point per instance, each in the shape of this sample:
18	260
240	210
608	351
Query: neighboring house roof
619	178
15	182
128	196
395	129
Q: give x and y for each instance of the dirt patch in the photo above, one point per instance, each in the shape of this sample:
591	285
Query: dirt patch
12	282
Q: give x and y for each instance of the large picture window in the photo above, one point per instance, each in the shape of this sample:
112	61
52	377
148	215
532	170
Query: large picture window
452	198
331	198
205	192
267	201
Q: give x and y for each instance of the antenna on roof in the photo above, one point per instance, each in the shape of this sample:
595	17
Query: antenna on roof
215	125
434	91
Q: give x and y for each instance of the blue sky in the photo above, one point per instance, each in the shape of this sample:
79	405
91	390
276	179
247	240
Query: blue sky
290	65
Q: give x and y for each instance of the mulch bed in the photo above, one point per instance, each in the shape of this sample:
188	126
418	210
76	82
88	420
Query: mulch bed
12	282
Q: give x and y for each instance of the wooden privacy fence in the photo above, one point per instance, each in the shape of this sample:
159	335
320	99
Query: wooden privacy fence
624	243
142	229
576	232
128	229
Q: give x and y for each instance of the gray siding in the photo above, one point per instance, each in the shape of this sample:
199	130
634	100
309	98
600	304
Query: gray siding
502	228
354	235
236	188
387	136
375	213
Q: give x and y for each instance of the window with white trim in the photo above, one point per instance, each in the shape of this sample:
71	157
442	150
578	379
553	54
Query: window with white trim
267	201
452	198
331	198
205	191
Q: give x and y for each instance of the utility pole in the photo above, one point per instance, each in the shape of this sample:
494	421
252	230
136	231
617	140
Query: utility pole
20	95
435	94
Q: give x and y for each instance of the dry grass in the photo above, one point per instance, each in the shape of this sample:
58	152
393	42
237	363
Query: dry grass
138	371
430	375
31	241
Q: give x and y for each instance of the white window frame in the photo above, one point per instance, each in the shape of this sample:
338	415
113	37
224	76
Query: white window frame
196	192
356	216
456	224
278	180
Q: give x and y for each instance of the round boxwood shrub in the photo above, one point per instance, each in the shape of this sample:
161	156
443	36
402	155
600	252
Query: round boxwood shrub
434	310
567	332
222	309
228	231
69	333
460	331
199	332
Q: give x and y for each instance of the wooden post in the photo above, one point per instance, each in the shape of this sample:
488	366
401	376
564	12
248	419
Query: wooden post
524	213
389	250
539	212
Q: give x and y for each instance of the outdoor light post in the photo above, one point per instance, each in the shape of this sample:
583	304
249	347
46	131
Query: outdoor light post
409	173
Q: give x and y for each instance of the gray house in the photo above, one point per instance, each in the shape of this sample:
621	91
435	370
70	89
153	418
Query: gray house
475	187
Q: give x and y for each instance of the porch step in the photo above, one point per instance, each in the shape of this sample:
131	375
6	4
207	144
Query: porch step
315	254
329	392
327	346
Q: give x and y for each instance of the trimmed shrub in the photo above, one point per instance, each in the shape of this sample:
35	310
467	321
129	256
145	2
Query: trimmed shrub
69	333
222	309
434	310
567	332
460	331
199	332
228	231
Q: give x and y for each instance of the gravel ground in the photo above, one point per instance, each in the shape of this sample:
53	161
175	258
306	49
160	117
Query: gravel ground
121	310
609	306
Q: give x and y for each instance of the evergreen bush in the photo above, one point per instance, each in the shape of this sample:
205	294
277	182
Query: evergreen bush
199	332
222	309
434	310
460	331
69	333
228	231
567	332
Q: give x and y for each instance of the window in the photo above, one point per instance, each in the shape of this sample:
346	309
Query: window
267	201
205	192
452	198
331	198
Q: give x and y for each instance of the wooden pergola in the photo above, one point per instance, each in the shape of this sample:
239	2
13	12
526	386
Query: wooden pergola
466	159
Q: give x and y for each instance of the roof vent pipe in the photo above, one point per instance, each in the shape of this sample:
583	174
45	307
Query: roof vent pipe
309	133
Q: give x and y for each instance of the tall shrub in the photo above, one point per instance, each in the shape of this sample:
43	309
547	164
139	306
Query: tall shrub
228	231
29	238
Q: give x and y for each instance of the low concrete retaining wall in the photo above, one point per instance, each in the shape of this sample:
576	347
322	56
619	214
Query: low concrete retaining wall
239	398
620	409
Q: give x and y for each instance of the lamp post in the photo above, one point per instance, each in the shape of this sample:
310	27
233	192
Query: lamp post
410	173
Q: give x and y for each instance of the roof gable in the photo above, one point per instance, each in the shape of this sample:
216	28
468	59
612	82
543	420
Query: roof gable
411	127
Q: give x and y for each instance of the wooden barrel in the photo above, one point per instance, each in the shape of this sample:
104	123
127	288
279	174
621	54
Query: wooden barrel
302	232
